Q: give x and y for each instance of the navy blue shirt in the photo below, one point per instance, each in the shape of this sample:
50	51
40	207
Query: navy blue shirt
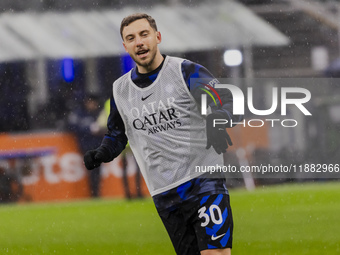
115	140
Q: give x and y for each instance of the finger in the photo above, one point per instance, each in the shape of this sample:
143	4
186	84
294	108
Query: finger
222	147
90	165
99	156
87	156
217	149
229	139
224	150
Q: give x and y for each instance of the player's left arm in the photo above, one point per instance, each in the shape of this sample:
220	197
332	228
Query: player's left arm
197	77
217	135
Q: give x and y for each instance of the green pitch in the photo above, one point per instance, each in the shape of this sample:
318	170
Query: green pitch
289	219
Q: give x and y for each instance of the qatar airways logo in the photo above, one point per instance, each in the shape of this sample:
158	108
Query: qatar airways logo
155	117
239	104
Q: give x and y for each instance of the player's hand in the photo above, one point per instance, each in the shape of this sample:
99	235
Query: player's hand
217	136
94	158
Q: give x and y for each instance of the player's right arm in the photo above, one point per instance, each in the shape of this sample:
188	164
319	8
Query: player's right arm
113	142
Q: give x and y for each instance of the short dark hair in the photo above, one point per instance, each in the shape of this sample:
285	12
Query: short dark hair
136	16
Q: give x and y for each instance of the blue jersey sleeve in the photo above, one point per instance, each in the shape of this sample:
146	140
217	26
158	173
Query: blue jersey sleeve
115	140
192	70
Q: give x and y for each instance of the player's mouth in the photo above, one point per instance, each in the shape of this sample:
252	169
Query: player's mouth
142	53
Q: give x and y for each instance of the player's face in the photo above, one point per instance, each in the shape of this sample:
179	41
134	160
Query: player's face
141	41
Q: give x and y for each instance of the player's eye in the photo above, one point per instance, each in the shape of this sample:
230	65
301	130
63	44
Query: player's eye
129	39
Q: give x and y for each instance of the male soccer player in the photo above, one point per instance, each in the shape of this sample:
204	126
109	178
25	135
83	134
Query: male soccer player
156	107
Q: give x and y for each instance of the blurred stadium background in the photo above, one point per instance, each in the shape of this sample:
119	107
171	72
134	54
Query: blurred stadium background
53	54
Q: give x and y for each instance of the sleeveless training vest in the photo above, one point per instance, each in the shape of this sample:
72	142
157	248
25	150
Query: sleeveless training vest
165	129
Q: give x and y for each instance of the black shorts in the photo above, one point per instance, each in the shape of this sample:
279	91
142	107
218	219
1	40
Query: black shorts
206	223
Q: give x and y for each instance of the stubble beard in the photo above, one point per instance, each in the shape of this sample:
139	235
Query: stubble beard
145	64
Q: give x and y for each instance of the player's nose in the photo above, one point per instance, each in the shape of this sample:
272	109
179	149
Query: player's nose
139	41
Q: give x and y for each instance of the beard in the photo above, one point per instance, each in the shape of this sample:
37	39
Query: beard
148	61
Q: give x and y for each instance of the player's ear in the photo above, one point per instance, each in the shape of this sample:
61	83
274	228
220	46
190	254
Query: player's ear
158	37
125	47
